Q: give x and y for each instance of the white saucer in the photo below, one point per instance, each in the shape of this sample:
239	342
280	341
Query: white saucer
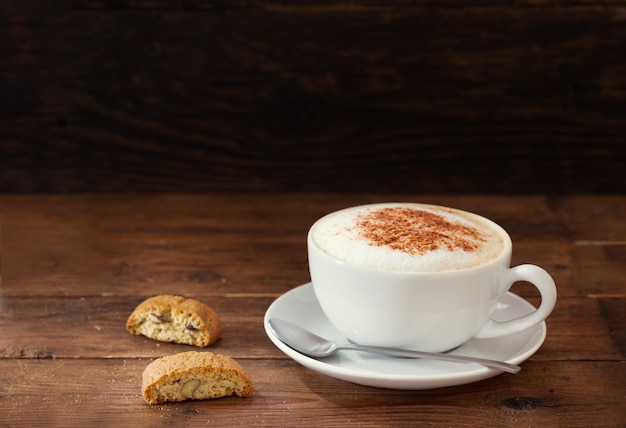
300	306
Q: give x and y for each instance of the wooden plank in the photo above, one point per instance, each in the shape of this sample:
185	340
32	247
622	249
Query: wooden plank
80	392
129	245
94	327
614	314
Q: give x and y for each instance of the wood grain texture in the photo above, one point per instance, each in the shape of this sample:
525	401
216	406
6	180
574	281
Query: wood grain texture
489	97
53	324
108	394
75	266
218	244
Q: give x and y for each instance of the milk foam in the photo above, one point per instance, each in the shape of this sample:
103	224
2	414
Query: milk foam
341	234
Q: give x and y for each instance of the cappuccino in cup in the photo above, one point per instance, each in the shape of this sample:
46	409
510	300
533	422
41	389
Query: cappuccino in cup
417	276
408	238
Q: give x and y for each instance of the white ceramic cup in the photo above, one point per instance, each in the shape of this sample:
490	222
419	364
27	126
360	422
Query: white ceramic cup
430	310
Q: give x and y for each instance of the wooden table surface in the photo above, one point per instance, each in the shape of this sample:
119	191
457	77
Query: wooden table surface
75	266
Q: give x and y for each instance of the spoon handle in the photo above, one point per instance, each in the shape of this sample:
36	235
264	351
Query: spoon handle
500	365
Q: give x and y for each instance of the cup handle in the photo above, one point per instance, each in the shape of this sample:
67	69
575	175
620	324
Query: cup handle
547	288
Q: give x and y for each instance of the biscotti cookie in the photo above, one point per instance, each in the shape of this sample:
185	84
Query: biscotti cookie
175	319
194	375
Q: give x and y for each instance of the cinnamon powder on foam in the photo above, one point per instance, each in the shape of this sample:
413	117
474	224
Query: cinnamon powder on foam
414	231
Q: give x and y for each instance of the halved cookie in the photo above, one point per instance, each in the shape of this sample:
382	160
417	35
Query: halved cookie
169	318
194	375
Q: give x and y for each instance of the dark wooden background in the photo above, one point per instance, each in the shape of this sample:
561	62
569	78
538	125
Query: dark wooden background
443	96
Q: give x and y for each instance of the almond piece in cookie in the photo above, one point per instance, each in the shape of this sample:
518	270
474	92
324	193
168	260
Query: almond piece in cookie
194	375
170	318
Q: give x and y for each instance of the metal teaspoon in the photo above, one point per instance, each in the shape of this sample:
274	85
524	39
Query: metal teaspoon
315	346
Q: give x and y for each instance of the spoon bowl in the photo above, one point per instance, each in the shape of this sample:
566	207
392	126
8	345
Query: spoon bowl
314	346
